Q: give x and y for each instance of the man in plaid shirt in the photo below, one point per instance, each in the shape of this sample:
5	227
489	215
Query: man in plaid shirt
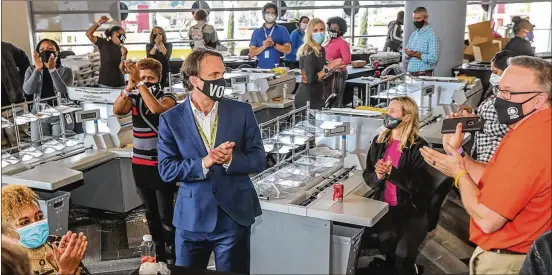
422	50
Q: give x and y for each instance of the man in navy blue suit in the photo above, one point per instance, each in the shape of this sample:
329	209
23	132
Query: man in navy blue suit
210	145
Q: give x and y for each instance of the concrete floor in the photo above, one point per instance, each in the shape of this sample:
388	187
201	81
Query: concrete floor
114	240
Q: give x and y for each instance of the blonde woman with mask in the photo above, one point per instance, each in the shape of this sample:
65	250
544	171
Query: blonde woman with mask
397	172
314	67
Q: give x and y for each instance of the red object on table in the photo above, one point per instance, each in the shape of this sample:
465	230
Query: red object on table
338	189
148	259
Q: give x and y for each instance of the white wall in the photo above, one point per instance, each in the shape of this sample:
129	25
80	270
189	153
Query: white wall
15	25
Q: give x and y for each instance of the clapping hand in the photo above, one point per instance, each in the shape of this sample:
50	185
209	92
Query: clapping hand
124	52
454	140
268	43
383	167
38	61
161	47
133	71
450	164
68	255
223	153
158	39
52	62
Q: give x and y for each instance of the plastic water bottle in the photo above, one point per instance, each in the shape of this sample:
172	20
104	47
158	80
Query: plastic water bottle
147	250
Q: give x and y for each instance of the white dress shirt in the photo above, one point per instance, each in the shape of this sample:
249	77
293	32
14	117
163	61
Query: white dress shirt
206	123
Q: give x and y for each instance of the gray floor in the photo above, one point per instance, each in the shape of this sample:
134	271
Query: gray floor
114	240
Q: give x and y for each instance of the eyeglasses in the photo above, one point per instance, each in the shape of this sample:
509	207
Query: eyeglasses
508	94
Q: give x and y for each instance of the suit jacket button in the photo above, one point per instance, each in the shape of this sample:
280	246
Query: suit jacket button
215	191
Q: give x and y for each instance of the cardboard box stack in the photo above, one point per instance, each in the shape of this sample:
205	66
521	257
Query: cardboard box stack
483	46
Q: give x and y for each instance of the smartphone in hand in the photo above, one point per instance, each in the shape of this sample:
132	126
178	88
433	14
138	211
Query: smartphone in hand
469	124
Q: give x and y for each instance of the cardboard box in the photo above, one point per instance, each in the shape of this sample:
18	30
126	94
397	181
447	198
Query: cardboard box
484	52
483	46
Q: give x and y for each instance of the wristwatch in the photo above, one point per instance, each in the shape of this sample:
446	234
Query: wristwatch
461	152
141	83
326	70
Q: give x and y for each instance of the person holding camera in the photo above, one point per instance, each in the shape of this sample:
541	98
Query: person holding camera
43	81
508	199
487	140
112	54
160	50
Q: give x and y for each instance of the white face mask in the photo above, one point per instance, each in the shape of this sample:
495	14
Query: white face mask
303	26
269	17
494	80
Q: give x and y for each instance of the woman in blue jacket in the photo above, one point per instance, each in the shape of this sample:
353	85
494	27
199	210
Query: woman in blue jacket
290	60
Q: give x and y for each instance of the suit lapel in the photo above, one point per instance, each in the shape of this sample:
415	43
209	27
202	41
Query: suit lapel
188	120
224	117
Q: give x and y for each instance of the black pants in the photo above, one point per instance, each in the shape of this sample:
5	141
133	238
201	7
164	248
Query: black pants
158	202
401	234
338	82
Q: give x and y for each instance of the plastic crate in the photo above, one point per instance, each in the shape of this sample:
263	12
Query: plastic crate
344	248
55	206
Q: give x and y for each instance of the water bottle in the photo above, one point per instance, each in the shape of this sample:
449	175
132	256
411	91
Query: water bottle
147	250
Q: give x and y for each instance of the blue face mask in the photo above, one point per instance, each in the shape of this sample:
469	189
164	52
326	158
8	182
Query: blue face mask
530	36
34	235
318	37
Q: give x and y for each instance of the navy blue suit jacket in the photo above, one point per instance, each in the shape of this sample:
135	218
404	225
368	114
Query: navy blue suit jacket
181	151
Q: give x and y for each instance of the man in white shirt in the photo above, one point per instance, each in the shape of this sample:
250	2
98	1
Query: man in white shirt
210	145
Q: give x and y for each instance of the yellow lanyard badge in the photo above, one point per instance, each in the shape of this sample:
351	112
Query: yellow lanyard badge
210	143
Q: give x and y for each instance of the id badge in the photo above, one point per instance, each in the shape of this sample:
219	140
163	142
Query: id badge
267	54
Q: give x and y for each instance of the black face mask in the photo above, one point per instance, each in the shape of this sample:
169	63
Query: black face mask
419	24
333	34
152	86
45	55
508	112
214	89
390	122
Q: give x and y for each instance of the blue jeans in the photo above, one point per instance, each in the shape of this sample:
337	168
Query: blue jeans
230	242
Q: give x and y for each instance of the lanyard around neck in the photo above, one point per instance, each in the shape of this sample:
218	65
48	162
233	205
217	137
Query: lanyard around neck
210	143
271	31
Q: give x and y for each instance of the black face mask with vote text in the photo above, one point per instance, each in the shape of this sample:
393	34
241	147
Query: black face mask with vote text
152	86
214	89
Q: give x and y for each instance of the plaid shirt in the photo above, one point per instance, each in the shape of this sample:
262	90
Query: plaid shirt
487	141
425	42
